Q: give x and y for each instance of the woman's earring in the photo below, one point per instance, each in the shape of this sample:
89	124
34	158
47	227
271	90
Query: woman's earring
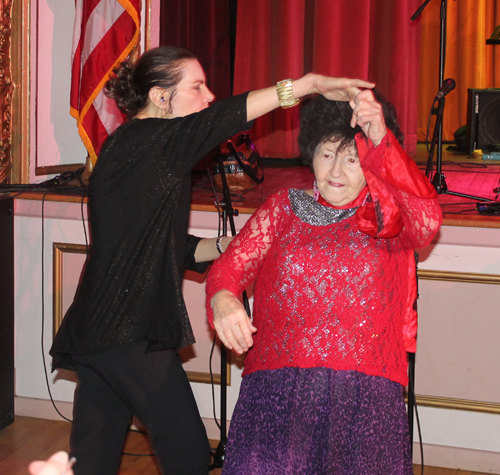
162	99
315	191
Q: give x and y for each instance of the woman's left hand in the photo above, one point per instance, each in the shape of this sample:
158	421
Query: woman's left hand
368	114
231	322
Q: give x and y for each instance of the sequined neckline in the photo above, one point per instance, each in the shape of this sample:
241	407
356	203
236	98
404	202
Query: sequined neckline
310	211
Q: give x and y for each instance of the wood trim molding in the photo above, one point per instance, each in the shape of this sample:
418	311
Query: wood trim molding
458	404
466	277
56	169
199	377
472	221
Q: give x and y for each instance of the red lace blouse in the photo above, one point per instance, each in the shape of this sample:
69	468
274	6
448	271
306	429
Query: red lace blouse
335	287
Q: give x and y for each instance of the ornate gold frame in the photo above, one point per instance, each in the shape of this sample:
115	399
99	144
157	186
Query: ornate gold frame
14	90
15	70
6	88
451	403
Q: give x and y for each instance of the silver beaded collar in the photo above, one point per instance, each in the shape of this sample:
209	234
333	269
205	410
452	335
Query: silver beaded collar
308	210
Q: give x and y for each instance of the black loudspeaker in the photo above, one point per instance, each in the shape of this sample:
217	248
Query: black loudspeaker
483	120
6	312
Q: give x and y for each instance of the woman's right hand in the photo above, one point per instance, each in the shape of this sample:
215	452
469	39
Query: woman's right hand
339	89
231	322
262	101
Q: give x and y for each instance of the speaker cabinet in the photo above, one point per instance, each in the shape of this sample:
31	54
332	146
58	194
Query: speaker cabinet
6	312
483	120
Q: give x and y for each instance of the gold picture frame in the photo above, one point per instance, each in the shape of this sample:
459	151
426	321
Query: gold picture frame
59	251
58	277
448	402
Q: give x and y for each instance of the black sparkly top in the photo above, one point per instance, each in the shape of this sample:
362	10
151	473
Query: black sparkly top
139	198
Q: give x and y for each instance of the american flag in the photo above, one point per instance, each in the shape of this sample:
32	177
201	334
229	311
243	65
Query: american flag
105	32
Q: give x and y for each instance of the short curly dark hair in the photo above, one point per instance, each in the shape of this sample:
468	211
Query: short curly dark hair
322	120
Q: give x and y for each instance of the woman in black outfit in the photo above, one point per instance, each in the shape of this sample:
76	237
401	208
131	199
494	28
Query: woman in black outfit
128	320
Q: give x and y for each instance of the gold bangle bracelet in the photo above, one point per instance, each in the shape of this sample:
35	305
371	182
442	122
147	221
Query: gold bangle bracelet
285	94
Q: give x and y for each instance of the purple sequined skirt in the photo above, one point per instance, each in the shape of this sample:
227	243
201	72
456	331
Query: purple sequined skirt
318	421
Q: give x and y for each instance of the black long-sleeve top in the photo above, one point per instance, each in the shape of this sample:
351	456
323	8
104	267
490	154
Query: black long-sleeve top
139	198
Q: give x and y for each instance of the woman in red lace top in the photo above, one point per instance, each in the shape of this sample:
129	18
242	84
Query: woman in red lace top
334	274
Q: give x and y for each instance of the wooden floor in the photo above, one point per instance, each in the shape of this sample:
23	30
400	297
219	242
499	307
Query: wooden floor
35	439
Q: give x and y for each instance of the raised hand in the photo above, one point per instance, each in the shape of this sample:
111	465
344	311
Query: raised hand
368	114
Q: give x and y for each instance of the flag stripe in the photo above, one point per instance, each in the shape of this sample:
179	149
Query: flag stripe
103	59
105	33
107	111
100	22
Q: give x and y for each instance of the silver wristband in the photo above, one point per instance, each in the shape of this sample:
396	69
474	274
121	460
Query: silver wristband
217	244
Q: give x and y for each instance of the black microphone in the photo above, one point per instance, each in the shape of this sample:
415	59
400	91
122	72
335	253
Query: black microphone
448	86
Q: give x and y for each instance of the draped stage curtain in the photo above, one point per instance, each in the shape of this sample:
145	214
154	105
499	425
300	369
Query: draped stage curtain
368	39
202	26
469	60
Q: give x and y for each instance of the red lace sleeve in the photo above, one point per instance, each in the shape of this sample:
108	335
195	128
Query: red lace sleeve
239	266
402	200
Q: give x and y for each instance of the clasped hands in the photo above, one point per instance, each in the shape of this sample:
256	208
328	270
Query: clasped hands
367	112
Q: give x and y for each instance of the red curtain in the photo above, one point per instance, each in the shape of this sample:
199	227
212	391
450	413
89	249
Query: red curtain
203	27
369	39
469	60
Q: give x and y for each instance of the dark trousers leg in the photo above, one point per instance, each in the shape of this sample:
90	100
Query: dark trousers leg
154	387
100	422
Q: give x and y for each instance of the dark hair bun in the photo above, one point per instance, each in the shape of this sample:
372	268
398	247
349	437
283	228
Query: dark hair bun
120	88
159	67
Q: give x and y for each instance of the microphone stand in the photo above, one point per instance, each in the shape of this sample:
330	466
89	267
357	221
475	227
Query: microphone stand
439	180
228	213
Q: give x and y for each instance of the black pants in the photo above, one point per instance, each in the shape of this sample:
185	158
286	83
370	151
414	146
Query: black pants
127	381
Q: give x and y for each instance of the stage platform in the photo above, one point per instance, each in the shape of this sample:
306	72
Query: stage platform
463	174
